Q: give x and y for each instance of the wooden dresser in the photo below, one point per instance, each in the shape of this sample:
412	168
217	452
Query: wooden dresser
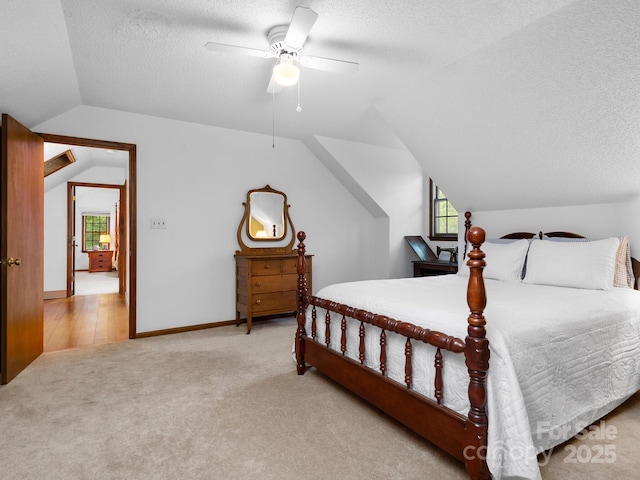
266	285
266	264
100	260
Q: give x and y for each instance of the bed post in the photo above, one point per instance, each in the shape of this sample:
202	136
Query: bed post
477	360
302	292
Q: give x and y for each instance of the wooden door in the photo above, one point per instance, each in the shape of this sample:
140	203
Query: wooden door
21	248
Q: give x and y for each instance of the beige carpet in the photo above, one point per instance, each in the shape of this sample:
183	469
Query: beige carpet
219	404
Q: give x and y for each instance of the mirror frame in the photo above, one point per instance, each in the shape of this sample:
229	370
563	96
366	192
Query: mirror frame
282	207
244	227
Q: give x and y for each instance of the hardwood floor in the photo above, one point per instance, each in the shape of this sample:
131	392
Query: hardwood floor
85	320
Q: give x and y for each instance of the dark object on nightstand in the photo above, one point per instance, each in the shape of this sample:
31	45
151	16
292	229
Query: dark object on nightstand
429	263
453	253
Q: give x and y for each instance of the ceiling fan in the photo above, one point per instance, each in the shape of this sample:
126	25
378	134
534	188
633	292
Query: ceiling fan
286	44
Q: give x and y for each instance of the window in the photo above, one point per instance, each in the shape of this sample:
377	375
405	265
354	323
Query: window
443	215
92	227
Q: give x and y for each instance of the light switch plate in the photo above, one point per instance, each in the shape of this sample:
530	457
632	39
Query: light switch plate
158	222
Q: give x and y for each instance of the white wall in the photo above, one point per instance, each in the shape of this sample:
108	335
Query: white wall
594	221
197	177
395	181
55	239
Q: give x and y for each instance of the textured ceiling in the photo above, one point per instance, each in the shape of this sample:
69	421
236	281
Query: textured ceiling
148	56
548	116
543	93
37	75
86	157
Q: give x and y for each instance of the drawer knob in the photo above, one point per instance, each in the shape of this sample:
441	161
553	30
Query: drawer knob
258	284
266	266
258	302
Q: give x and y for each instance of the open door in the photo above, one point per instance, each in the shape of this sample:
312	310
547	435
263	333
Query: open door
21	248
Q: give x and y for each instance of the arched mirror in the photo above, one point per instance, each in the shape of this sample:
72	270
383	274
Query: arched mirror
266	216
266	219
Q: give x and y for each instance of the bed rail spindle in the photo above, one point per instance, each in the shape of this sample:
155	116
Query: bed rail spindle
477	357
438	381
408	369
361	350
314	316
327	329
383	353
343	337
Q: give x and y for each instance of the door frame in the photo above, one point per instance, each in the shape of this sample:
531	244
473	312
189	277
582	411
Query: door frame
123	232
131	204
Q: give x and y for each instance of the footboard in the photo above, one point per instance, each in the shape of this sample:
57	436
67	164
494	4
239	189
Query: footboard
464	437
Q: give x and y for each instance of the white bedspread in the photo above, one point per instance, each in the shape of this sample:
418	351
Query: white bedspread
560	357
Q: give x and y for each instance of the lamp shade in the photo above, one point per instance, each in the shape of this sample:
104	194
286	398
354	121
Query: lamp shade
105	238
285	72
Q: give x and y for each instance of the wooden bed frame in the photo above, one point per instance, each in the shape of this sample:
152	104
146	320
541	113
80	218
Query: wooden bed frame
463	437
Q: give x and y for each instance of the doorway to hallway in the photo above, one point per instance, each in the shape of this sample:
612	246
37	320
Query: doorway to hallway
84	320
128	240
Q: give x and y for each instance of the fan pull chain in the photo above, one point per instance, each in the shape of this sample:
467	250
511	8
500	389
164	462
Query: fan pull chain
298	108
273	119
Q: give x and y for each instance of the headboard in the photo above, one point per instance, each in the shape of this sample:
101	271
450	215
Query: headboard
635	264
519	235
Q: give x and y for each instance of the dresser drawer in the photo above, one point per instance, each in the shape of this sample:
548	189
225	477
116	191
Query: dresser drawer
274	283
278	301
265	267
290	265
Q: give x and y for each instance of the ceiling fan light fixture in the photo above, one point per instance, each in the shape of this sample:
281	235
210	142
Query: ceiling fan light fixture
285	72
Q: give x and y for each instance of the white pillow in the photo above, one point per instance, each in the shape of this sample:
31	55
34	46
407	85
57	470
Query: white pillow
504	260
587	265
623	273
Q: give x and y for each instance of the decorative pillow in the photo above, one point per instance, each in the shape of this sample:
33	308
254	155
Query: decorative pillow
588	265
504	260
623	272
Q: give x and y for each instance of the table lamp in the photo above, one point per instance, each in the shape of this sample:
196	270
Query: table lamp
105	240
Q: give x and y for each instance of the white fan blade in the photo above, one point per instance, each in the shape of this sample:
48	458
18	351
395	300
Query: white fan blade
253	52
301	22
274	87
329	64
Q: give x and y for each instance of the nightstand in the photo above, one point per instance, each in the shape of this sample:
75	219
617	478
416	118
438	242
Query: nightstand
100	260
428	268
429	263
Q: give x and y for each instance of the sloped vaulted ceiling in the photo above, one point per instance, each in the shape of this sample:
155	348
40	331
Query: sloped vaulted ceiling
37	75
549	115
148	57
506	103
